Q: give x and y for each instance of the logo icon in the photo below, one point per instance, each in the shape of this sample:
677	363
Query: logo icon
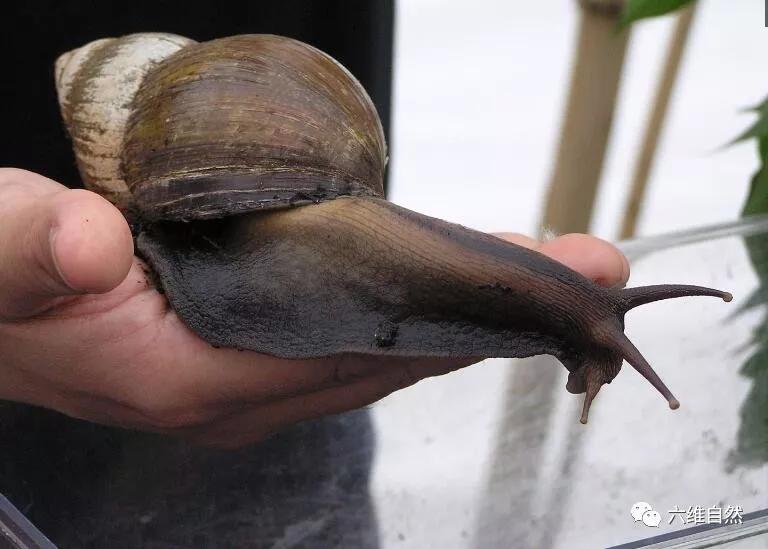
642	511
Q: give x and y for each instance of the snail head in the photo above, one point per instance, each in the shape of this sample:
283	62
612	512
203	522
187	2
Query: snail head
601	363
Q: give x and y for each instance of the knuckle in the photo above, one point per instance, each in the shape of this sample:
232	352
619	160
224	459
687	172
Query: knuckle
78	197
12	179
11	175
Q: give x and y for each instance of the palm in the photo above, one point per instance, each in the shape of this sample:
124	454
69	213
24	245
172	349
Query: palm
145	369
118	354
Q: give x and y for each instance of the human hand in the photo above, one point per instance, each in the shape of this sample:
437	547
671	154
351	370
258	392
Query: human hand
84	332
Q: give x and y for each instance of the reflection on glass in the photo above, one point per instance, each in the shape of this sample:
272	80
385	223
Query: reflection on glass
752	440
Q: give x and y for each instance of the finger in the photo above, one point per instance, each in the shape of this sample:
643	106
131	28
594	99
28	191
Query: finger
591	256
56	242
520	240
258	423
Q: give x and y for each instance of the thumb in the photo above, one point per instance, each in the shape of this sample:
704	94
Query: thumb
56	242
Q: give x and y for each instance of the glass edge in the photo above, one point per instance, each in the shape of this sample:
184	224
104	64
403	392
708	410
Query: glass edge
746	226
16	529
699	537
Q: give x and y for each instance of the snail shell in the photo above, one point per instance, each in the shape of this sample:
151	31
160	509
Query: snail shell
232	125
96	85
253	125
250	122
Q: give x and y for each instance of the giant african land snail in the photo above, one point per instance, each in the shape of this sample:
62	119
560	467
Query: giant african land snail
253	167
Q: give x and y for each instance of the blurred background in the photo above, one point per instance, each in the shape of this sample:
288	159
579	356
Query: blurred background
480	94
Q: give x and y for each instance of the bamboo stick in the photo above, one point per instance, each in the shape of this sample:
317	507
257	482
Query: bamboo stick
645	158
595	79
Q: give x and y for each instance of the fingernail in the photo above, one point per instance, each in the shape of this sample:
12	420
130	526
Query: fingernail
625	272
52	236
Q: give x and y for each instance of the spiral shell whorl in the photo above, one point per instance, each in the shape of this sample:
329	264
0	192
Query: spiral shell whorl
96	85
246	123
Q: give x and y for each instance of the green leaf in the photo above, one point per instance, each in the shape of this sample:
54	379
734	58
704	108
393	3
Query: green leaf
761	107
752	439
642	9
759	129
757	199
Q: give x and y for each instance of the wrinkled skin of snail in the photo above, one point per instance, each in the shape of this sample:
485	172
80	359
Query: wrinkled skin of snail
252	167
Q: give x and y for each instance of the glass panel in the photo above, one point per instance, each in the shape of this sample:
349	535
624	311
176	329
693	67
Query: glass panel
494	456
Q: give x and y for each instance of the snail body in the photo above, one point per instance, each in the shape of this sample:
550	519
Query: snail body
253	167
